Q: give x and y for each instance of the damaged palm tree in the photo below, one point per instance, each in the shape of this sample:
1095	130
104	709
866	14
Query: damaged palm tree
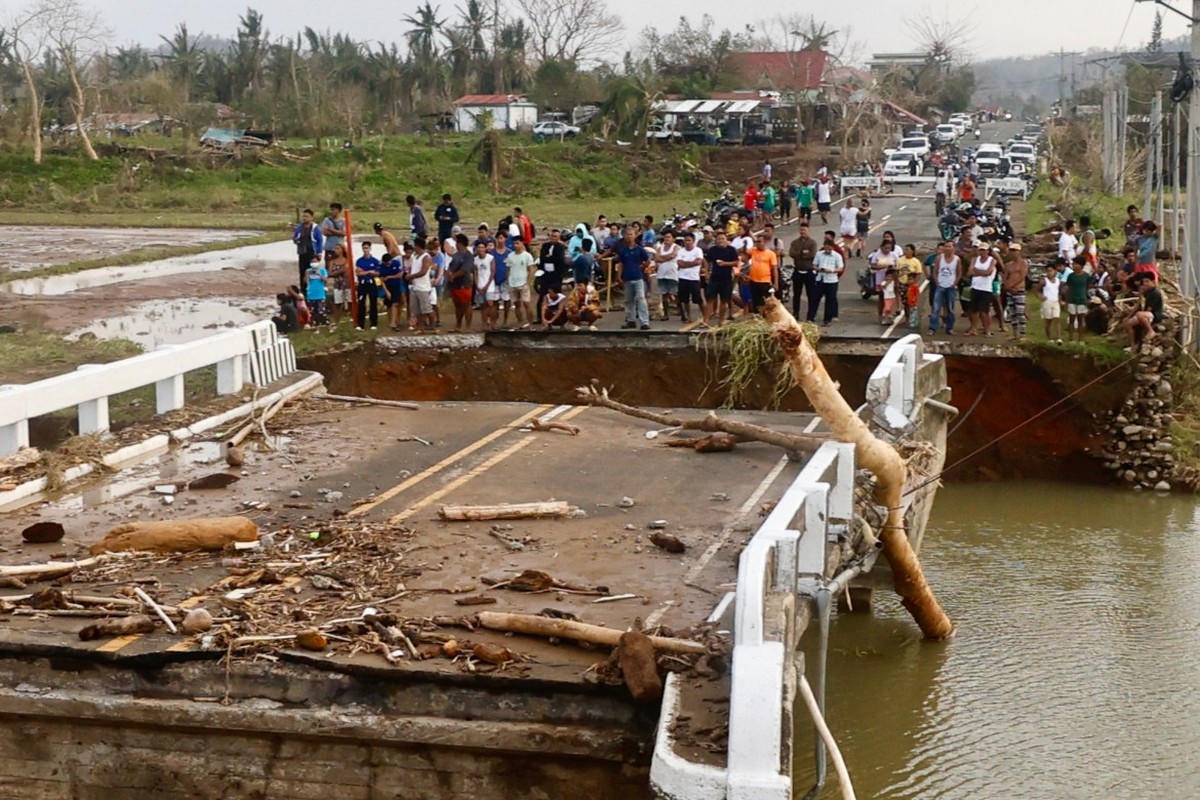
873	454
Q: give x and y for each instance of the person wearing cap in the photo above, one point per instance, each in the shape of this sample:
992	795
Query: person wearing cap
446	215
981	273
387	239
1016	271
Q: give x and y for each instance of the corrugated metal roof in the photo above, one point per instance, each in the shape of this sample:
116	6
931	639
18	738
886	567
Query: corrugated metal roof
490	100
682	106
741	107
707	107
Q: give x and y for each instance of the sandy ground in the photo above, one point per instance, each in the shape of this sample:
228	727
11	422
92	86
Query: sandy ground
47	246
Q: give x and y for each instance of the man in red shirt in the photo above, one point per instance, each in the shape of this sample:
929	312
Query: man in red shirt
524	223
750	201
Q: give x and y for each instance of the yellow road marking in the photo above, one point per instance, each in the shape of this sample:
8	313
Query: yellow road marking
113	645
476	472
447	461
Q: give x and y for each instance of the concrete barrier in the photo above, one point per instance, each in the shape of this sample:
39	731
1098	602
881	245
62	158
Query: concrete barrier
255	351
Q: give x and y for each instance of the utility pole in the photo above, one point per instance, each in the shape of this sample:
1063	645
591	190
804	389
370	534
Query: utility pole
1187	272
1108	148
1122	133
1153	157
1062	79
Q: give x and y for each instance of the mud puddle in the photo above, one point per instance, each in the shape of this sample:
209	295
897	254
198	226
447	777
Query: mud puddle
47	246
160	322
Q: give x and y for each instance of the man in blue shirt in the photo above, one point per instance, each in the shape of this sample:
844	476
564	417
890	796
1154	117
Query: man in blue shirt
633	260
366	270
395	296
309	242
446	215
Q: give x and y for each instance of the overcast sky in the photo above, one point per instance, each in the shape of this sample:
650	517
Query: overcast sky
1018	27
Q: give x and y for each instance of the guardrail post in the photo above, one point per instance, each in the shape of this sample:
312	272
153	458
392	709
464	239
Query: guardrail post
756	724
811	556
231	375
13	437
93	414
168	394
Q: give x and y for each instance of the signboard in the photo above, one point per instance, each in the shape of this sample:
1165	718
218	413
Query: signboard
1007	186
870	182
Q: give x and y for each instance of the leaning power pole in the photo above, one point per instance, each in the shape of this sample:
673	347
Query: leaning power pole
1187	272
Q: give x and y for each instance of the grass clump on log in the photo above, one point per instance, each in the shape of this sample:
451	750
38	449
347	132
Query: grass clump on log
736	355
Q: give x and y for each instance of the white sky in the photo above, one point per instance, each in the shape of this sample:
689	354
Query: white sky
1006	27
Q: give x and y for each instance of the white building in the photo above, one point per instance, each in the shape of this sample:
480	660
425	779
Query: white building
509	112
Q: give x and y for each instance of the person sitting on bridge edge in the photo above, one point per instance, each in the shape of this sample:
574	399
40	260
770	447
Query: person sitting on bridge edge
1150	312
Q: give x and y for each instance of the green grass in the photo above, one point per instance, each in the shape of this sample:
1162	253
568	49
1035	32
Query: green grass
1102	348
313	341
32	355
556	182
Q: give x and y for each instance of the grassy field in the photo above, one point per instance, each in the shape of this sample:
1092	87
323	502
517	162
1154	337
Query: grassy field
31	355
556	182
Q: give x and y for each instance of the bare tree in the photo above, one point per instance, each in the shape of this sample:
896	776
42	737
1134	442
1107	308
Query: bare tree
77	33
942	39
577	31
29	31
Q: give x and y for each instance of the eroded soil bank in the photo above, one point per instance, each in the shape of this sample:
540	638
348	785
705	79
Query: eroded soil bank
1017	419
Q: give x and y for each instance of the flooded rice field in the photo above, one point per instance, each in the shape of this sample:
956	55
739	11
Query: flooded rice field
48	246
1072	675
160	322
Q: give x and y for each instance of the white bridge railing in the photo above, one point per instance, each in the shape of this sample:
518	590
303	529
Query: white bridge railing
787	552
255	352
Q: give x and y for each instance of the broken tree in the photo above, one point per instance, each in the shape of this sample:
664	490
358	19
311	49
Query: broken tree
873	454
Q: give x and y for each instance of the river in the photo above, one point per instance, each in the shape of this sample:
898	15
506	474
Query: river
1074	670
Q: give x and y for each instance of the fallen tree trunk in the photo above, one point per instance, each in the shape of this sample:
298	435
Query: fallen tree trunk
579	631
709	423
873	454
552	508
372	401
122	626
169	536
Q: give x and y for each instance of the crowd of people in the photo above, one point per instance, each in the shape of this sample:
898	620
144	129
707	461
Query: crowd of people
511	278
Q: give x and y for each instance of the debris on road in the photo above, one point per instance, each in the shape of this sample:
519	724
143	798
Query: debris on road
667	542
178	536
43	532
124	626
552	508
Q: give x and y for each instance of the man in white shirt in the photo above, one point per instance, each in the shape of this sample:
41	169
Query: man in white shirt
824	195
848	225
1068	245
690	260
982	274
486	290
829	266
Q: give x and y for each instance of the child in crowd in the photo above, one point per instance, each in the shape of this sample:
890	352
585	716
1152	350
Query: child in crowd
303	317
316	290
1077	282
1050	289
888	290
286	320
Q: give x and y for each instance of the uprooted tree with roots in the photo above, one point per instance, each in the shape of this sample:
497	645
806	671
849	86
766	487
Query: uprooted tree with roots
872	453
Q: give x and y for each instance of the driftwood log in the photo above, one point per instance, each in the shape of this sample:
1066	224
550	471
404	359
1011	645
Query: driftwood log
122	626
49	569
799	443
171	536
552	508
372	401
579	631
873	454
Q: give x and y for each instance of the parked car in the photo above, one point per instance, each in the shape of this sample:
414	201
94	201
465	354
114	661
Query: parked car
663	134
945	134
899	163
553	129
988	156
961	122
1022	151
917	146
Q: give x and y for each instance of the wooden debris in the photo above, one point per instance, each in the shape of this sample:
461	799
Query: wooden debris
451	648
155	607
475	600
178	536
667	542
798	443
579	631
47	598
532	580
494	654
44	532
19	460
639	668
48	570
552	508
139	623
372	401
554	425
217	480
713	443
257	424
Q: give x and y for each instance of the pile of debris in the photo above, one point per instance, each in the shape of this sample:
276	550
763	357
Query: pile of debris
1141	450
339	588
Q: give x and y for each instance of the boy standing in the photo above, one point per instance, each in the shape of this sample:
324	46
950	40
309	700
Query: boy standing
315	291
519	264
1051	290
1077	284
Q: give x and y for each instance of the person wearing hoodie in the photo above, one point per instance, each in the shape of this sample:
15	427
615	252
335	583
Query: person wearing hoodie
575	244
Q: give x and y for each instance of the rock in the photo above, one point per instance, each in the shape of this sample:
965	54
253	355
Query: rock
629	526
1163	389
333	497
657	525
1129	476
577	513
450	649
719	497
493	653
1131	430
311	640
167	499
626	502
234	457
166	488
198	620
43	532
1162	486
667	542
295	493
217	480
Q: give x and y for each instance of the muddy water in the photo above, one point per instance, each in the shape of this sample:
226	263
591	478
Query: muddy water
178	321
46	246
1073	674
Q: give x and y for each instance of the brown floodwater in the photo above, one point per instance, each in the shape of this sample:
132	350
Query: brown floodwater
1073	672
